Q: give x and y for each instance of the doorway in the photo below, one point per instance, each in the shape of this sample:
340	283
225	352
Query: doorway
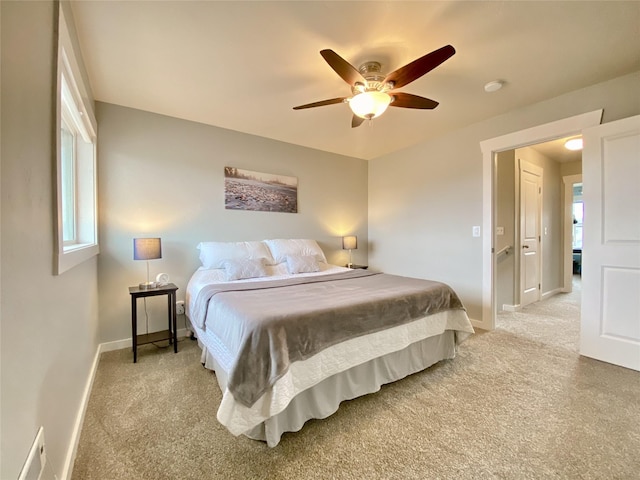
533	233
543	133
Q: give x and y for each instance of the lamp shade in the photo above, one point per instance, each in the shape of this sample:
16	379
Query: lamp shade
350	242
369	104
147	248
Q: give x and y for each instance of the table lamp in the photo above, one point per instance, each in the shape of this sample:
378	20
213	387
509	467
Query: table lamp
349	243
147	249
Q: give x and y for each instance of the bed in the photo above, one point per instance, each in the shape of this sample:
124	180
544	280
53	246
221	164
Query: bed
291	336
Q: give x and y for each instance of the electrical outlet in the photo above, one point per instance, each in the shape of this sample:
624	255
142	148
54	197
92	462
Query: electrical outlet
180	307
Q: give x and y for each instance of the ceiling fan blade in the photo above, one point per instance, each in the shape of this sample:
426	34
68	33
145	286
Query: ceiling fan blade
321	103
356	121
343	68
408	100
419	67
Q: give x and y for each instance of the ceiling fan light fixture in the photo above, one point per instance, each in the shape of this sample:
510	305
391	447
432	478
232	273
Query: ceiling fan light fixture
573	144
369	104
370	88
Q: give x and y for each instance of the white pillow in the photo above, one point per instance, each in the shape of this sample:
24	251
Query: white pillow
214	254
213	275
281	248
239	269
302	264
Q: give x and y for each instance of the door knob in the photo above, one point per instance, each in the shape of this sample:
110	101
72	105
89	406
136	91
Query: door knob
525	246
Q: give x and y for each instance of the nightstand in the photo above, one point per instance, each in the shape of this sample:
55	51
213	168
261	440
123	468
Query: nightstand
171	334
354	266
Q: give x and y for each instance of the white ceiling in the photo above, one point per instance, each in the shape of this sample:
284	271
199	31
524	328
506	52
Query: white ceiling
555	150
244	65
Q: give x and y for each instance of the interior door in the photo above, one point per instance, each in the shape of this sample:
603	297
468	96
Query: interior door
530	216
610	319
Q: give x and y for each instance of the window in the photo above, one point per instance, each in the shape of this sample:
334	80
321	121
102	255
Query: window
577	225
77	236
577	212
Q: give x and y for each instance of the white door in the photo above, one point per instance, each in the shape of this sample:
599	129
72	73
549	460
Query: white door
530	215
610	325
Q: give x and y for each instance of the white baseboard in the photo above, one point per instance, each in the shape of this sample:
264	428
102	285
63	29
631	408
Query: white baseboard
67	469
511	308
127	342
82	409
479	324
551	293
544	296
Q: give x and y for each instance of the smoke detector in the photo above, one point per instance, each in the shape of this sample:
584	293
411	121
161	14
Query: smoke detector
493	86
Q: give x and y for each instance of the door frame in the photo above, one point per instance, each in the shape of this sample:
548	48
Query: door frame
490	147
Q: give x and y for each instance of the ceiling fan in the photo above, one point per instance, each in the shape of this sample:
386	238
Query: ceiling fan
373	92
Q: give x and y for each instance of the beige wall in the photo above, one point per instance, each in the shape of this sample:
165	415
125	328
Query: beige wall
571	168
424	200
49	323
505	218
164	176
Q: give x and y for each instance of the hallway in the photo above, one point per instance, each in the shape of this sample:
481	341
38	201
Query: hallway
553	322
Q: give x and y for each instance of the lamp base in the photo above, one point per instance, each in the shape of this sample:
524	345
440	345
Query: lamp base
147	285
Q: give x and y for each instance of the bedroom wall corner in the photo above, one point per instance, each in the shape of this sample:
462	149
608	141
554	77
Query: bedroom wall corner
162	176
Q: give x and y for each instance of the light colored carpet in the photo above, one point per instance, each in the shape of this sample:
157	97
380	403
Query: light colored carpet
515	403
554	322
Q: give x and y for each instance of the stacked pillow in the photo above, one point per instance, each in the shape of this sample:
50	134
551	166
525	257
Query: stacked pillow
239	269
302	264
214	254
295	252
249	259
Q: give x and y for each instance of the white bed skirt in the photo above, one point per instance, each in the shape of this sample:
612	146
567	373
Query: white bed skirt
324	398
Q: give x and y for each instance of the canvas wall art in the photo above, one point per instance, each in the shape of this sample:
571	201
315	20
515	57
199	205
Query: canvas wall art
265	192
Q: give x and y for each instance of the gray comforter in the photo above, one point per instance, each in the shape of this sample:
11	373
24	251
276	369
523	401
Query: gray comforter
279	322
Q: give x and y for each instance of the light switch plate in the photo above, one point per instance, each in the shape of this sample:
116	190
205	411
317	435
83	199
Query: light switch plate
499	230
476	230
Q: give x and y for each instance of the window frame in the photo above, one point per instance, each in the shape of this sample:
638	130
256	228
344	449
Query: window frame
66	240
74	108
